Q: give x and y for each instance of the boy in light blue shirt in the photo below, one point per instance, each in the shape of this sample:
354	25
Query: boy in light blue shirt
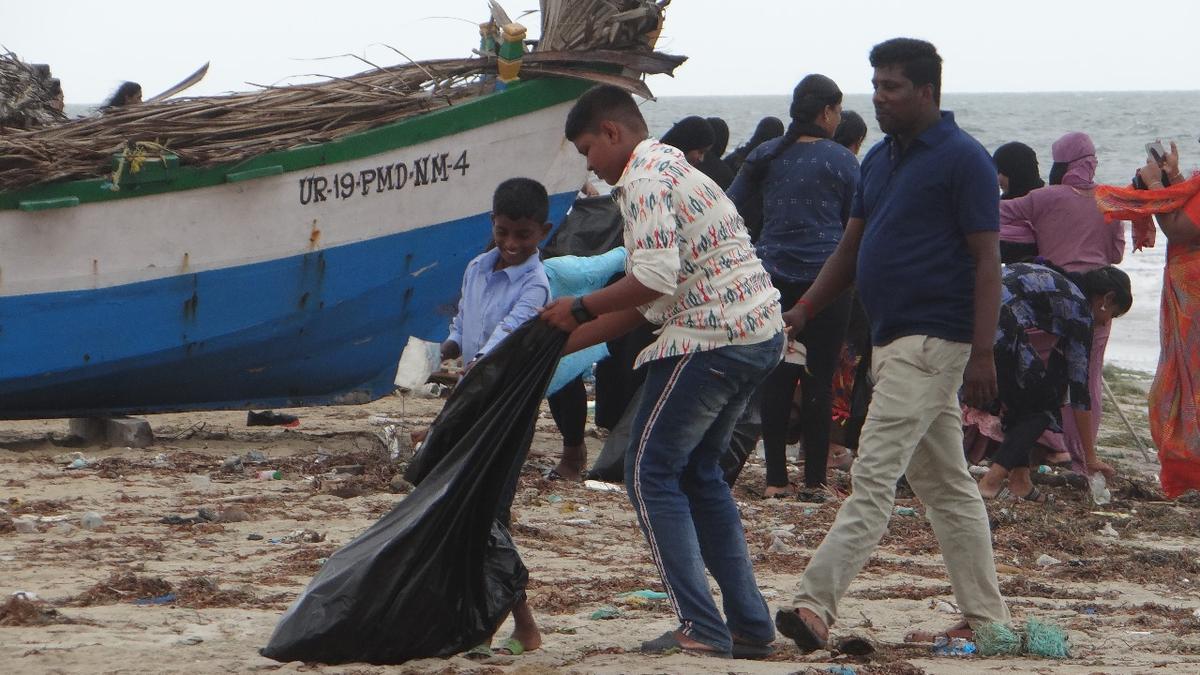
506	286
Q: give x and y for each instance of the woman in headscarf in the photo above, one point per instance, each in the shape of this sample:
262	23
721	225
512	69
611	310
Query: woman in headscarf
768	128
712	165
1017	171
692	136
1068	229
805	182
1175	394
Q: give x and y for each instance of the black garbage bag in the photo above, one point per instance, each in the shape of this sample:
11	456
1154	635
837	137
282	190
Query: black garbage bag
437	574
593	226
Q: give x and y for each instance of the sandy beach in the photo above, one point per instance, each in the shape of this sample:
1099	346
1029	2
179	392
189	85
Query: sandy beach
140	595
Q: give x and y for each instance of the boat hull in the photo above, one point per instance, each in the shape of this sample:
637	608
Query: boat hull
292	289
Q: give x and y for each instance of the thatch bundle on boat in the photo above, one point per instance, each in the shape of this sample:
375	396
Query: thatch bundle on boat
27	94
590	39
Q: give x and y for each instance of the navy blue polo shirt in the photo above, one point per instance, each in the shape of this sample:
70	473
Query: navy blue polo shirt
915	273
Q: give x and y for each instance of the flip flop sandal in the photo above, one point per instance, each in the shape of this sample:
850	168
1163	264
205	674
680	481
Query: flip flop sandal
1003	495
667	643
479	652
511	647
791	625
1038	497
753	651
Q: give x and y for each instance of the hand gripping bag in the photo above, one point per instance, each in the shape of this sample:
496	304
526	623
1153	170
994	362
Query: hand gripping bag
437	574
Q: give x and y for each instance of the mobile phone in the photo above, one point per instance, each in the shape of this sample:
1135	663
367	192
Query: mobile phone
1156	151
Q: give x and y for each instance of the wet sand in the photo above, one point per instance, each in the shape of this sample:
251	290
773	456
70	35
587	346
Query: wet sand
1127	602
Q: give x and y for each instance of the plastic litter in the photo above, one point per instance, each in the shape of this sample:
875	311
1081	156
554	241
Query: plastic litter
417	362
24	526
600	486
79	463
1099	488
1108	531
606	613
269	474
997	639
905	511
91	521
1043	469
578	522
943	646
1046	639
1047	560
160	600
645	594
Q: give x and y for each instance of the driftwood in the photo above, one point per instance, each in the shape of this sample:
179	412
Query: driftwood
207	131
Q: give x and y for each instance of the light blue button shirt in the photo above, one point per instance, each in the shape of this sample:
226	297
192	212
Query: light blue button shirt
494	303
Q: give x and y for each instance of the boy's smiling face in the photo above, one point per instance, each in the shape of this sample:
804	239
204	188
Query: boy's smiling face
516	238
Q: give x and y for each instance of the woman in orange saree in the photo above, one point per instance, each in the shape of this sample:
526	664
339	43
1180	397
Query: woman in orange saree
1175	394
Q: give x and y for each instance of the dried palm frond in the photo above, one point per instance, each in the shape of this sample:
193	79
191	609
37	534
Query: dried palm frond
574	25
213	130
26	94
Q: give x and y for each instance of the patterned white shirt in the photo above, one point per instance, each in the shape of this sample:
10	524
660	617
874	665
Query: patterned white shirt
686	240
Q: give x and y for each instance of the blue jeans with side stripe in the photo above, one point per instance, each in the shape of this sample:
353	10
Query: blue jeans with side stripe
688	408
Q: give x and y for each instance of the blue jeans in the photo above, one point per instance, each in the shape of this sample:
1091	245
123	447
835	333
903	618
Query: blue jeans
683	425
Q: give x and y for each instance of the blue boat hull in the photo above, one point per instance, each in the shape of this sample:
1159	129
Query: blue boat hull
326	327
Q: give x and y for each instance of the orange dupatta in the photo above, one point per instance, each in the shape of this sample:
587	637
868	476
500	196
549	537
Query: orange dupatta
1175	394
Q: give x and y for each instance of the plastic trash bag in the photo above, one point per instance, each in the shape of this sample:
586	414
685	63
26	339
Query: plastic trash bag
437	574
579	275
417	362
592	226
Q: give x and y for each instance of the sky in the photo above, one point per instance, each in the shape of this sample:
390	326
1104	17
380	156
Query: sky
735	47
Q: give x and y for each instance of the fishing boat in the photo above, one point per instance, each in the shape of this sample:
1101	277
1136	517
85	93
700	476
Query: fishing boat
173	274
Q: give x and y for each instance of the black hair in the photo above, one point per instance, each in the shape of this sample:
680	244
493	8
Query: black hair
918	60
720	135
521	198
689	133
603	102
1098	282
123	92
852	129
1105	280
814	93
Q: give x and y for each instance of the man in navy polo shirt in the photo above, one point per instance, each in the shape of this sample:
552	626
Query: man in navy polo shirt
922	245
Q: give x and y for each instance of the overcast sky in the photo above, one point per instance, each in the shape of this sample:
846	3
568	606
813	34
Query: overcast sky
735	46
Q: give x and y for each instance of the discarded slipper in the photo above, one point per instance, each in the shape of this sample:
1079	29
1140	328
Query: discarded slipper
792	625
855	645
668	643
511	647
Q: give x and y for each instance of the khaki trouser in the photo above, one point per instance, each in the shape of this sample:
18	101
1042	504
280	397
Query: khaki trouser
913	427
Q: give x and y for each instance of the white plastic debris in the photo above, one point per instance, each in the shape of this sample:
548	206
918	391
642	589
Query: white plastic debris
1047	561
417	362
1108	531
600	486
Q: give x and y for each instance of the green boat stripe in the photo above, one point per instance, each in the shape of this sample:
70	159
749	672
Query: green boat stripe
519	99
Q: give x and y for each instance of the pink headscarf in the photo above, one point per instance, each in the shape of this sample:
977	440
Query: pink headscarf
1079	154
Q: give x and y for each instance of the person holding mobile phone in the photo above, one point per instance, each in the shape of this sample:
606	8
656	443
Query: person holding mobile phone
1070	232
1174	397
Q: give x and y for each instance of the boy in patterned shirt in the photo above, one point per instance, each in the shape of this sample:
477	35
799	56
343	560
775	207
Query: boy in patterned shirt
693	273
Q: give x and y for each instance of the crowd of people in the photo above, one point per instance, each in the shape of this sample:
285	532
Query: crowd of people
930	286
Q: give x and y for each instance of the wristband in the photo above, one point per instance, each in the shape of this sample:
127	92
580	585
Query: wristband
579	312
807	307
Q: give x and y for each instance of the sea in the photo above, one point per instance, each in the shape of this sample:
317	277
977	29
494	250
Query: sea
1119	123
